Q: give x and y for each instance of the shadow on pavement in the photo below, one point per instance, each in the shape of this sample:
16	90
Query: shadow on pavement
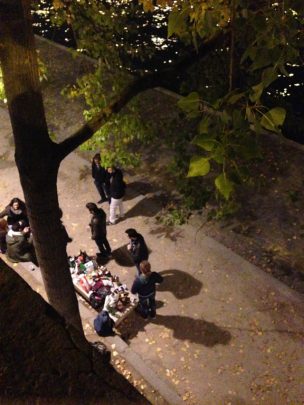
147	207
168	232
136	188
122	256
183	327
181	284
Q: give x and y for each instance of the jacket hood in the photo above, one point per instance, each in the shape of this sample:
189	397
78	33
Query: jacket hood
143	279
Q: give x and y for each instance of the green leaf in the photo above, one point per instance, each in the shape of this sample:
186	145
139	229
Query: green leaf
257	92
273	119
177	23
269	75
203	127
219	154
190	104
225	117
233	99
205	141
250	115
224	185
199	166
262	59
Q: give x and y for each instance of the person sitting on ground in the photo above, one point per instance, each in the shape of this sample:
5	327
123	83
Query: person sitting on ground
15	211
3	232
99	229
137	247
117	192
20	246
144	286
101	178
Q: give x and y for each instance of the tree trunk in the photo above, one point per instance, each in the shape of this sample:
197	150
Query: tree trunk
36	155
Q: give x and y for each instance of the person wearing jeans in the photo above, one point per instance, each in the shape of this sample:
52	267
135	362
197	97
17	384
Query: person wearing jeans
144	287
117	192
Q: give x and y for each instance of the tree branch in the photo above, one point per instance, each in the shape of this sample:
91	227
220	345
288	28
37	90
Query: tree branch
151	80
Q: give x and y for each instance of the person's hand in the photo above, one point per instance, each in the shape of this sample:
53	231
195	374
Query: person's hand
27	229
129	246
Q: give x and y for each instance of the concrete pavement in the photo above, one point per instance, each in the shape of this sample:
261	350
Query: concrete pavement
225	333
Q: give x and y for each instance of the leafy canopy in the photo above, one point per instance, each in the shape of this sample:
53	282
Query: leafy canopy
259	42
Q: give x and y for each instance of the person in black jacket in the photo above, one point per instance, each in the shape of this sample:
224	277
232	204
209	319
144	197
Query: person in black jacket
144	286
101	178
137	247
117	192
99	229
15	212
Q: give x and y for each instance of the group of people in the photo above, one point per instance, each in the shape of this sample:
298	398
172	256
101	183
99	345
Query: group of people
110	186
17	242
145	281
15	235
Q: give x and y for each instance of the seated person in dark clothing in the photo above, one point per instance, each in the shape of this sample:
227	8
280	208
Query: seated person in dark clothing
15	212
20	246
144	286
137	247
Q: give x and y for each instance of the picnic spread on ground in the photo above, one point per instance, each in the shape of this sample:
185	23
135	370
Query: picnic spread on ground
100	288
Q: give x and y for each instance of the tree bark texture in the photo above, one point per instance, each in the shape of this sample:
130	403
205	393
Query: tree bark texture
36	155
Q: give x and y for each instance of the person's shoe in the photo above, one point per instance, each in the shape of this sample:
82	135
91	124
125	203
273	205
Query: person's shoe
110	223
101	201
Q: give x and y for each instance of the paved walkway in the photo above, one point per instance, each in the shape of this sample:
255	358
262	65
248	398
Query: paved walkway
225	333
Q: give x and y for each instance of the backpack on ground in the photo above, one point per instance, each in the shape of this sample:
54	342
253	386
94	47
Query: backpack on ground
103	324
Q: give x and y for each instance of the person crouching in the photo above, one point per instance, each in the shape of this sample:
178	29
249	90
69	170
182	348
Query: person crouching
20	246
144	286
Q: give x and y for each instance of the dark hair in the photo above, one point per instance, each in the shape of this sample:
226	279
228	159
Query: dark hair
23	224
97	156
131	232
16	227
20	202
91	206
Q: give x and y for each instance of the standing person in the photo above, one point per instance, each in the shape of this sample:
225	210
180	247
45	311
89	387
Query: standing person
15	212
99	229
137	247
144	286
100	177
117	192
20	246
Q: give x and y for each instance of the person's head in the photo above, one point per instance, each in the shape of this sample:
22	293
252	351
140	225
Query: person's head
97	158
17	227
16	203
92	207
145	267
111	169
132	233
23	224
